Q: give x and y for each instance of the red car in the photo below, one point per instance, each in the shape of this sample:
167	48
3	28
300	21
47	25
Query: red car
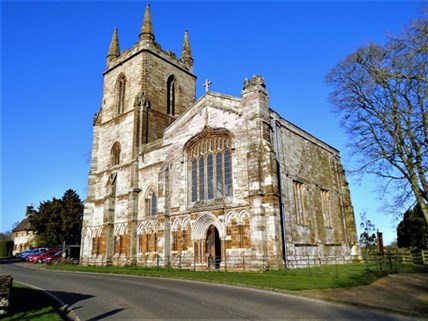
55	257
30	258
41	256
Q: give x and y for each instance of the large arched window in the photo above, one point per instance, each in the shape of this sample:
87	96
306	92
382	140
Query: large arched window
170	95
115	154
210	167
120	94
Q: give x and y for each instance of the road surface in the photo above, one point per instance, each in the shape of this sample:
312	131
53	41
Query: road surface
120	297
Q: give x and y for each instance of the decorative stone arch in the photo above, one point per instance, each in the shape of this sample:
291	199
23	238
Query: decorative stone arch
149	227
152	227
175	226
87	231
97	231
186	222
243	216
87	242
119	235
202	224
207	132
141	228
120	229
231	215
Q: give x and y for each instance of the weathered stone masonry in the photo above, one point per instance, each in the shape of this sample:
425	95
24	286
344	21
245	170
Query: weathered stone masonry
205	183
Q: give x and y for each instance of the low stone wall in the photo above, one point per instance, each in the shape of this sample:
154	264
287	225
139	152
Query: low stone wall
5	288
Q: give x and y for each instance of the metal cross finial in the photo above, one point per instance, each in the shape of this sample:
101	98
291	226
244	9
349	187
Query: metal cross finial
207	85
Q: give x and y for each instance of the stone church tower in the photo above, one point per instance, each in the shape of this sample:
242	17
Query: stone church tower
223	182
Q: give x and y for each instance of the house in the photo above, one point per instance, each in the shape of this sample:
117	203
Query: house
23	234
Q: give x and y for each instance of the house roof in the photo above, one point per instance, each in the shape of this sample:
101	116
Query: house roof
25	225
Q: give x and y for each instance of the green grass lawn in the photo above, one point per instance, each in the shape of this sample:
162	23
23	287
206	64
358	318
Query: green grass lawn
30	304
322	277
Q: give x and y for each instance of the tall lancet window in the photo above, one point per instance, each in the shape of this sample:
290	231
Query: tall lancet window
115	154
170	95
120	94
151	203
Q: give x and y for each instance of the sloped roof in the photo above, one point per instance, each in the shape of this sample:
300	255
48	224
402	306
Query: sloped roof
25	225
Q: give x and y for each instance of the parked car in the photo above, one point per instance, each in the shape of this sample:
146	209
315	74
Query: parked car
36	257
42	257
23	255
30	258
57	256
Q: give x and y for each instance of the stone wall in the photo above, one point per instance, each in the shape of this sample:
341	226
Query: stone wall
6	281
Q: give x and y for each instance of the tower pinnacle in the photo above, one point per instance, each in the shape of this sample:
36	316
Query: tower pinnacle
147	28
114	50
114	45
186	53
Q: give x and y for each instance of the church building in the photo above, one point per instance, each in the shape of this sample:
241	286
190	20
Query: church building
220	182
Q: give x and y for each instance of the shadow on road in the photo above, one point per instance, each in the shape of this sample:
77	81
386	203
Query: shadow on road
105	315
9	260
24	300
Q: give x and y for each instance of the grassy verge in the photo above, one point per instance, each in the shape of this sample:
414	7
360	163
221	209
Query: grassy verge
30	304
323	277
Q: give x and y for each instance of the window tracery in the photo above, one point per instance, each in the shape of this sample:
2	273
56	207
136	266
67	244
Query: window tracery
210	167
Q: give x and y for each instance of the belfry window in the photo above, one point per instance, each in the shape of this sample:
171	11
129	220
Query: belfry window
120	94
170	95
210	169
115	154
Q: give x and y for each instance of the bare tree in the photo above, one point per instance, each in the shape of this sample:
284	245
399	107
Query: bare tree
380	92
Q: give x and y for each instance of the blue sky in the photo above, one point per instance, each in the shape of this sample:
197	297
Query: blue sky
53	56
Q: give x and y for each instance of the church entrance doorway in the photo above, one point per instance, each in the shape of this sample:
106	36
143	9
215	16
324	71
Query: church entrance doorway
213	248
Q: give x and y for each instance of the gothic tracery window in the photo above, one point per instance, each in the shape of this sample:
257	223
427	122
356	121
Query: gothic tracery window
210	168
120	94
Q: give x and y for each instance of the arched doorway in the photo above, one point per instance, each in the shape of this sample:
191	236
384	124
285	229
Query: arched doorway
213	248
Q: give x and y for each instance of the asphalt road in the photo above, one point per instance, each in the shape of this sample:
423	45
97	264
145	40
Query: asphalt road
118	297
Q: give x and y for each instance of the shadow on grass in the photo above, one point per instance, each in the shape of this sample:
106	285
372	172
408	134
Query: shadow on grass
30	304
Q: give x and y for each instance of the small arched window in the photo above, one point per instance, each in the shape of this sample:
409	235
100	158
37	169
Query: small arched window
170	95
151	203
120	94
115	154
